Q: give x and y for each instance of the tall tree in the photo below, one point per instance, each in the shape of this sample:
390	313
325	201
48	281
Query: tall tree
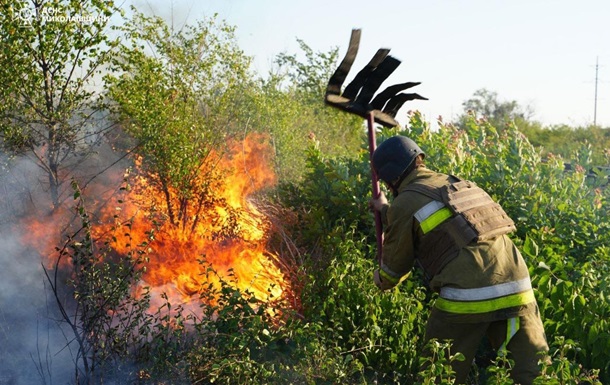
175	93
52	52
291	107
311	76
485	103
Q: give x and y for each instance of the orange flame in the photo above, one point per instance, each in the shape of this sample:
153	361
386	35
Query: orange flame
174	268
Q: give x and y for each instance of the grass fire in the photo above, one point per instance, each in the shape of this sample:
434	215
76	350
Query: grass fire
221	226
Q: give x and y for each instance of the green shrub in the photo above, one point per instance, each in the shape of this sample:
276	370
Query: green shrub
381	330
562	220
347	330
564	369
436	367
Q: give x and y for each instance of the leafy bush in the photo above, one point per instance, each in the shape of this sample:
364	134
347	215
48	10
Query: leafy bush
436	368
562	220
383	331
347	330
564	369
104	322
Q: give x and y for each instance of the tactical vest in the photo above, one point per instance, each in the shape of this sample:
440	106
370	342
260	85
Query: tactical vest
460	213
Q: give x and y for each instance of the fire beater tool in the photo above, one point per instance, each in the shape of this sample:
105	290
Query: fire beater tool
357	98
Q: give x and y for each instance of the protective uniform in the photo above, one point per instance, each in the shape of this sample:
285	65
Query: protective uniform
482	280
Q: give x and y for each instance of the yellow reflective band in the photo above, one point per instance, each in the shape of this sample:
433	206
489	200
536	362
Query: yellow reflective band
387	277
477	307
435	219
512	327
487	292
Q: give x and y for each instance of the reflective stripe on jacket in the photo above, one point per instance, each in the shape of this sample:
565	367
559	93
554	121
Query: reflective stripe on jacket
491	268
476	300
432	215
485	299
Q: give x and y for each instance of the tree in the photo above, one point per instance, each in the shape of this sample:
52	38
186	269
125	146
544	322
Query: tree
486	104
311	76
52	51
107	321
175	93
339	133
290	105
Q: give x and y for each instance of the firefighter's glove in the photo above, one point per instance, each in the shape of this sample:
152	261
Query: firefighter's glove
379	203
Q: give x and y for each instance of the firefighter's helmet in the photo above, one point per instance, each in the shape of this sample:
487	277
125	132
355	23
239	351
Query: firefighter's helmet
394	156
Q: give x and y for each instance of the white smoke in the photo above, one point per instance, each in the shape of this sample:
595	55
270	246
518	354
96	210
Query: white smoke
32	345
31	342
36	347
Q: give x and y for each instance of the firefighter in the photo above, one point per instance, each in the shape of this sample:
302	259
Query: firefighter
457	234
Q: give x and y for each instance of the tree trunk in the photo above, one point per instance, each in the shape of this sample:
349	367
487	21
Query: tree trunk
54	186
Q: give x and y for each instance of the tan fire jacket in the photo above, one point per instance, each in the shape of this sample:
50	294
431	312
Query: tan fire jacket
487	280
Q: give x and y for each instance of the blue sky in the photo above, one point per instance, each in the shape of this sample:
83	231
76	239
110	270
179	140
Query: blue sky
541	53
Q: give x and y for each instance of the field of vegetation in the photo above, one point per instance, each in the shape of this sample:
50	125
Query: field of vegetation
96	120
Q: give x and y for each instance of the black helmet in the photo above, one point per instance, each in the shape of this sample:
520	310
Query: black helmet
394	156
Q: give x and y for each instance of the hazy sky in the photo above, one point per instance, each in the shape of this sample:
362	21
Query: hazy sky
541	53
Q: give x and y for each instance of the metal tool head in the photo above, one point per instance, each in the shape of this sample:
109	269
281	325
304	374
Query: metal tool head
357	98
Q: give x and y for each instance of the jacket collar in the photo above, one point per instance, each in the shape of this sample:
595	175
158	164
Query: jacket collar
415	176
